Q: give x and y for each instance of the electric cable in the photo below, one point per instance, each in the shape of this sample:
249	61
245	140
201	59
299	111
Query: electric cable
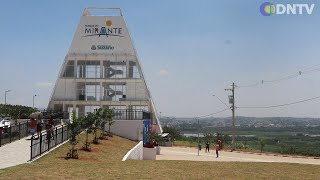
212	114
280	105
299	73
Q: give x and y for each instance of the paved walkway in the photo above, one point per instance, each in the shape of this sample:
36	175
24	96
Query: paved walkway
15	153
191	154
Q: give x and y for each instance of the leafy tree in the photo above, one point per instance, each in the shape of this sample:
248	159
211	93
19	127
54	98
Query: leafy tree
103	116
175	133
262	143
226	139
15	111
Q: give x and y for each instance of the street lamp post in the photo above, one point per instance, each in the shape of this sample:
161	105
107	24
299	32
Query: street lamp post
33	100
5	96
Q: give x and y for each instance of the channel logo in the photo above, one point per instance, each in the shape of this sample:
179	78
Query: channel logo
268	9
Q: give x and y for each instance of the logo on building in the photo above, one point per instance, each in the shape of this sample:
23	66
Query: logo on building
105	30
102	47
268	9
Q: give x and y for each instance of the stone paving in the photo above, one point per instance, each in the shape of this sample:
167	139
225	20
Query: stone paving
191	154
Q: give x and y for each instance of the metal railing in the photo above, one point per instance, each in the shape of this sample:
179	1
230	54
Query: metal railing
131	115
47	141
18	131
126	114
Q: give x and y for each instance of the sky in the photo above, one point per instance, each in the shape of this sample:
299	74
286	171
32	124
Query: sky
189	50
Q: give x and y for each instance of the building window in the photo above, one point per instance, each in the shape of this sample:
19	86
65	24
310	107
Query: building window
114	92
114	69
88	69
69	69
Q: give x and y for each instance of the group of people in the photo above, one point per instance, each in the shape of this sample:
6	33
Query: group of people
217	146
36	125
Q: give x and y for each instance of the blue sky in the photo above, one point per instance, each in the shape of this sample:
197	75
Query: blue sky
189	50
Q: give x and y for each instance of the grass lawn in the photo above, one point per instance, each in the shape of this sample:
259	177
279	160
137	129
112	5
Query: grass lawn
104	162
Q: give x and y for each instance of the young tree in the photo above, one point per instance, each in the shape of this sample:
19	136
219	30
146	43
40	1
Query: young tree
96	125
87	124
109	116
75	128
102	114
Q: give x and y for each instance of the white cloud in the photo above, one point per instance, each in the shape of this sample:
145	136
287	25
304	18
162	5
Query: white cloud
163	72
43	84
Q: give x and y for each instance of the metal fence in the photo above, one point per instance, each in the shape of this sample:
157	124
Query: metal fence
131	115
44	143
18	131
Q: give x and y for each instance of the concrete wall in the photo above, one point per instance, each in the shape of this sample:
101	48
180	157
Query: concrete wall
131	129
135	153
149	153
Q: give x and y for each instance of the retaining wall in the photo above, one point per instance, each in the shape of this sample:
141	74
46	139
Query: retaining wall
135	153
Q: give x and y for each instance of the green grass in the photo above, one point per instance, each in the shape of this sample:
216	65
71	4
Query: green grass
104	162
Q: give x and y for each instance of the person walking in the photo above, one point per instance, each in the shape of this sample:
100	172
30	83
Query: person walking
51	126
217	149
39	126
207	146
33	126
49	133
220	144
199	146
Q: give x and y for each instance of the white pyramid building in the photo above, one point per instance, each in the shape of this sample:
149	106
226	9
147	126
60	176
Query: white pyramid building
102	70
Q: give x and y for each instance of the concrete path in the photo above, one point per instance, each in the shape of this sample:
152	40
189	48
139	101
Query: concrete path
17	152
191	154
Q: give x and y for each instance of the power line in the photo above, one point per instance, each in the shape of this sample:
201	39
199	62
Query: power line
280	105
213	113
299	73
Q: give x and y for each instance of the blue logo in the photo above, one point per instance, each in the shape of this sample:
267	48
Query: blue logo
267	9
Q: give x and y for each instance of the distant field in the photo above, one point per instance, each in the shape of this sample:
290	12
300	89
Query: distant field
277	140
104	162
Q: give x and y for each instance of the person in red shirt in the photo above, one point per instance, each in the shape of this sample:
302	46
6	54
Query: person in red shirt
33	126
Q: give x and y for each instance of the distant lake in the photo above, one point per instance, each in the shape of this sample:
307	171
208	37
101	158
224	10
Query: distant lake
202	135
192	135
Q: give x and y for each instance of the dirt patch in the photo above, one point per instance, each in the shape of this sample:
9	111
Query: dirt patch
96	150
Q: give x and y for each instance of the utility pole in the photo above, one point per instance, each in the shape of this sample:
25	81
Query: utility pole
198	138
232	102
